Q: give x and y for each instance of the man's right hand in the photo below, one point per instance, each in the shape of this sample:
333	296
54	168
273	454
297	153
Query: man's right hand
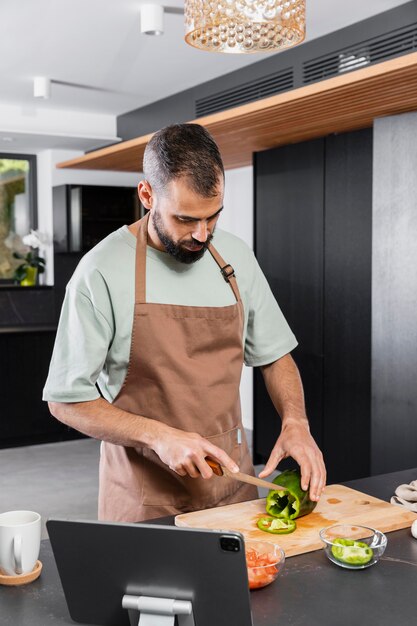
182	451
185	453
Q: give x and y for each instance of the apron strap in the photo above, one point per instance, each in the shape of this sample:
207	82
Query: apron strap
226	270
141	243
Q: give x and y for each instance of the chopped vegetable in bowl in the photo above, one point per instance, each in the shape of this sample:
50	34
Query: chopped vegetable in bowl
352	552
264	561
352	546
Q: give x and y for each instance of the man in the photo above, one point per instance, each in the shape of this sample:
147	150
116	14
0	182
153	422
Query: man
162	323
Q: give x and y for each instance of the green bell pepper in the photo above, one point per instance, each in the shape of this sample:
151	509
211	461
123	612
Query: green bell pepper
292	502
275	525
351	552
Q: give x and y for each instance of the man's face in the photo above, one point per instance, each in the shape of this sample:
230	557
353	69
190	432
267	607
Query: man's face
184	221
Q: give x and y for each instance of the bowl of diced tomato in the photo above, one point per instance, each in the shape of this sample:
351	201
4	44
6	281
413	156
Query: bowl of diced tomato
264	560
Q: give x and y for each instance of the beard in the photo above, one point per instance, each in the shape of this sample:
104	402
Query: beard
174	248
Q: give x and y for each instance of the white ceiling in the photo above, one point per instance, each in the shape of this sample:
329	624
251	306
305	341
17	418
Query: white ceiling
97	45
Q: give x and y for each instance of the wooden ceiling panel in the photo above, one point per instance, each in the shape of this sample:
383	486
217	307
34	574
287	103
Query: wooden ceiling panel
347	102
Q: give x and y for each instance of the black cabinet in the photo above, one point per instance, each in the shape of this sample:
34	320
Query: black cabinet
24	364
83	216
289	238
313	217
347	305
27	333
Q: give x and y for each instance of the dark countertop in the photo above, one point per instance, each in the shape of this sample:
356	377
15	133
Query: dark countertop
311	591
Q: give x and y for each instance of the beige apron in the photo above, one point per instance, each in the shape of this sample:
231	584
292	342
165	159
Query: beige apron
184	370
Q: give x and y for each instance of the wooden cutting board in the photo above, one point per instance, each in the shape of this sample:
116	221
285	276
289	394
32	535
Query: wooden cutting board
338	505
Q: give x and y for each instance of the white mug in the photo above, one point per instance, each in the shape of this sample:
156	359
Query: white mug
20	540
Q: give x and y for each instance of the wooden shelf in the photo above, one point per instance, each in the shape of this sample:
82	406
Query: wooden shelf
347	102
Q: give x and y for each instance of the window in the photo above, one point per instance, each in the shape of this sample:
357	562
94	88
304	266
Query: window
17	208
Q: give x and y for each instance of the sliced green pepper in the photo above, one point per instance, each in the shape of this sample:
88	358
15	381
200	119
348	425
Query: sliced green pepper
275	525
351	552
292	502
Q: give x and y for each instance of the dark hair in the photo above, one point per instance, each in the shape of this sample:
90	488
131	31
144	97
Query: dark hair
184	150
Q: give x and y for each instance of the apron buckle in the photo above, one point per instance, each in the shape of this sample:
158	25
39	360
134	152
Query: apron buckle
227	272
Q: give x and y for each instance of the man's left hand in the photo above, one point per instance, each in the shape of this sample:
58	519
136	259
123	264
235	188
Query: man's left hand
296	441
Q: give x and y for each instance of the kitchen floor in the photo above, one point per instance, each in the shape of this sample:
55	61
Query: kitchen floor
55	479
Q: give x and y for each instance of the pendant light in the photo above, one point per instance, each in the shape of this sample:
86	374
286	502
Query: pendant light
244	26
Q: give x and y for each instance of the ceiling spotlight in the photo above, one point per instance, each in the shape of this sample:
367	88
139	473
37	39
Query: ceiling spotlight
42	87
152	19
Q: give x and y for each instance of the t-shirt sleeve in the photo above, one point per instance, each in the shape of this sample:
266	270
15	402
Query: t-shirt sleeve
268	336
83	338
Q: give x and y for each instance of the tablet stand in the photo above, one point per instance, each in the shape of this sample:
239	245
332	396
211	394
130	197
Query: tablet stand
159	611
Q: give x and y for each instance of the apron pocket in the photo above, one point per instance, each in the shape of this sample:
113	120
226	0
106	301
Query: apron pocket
163	486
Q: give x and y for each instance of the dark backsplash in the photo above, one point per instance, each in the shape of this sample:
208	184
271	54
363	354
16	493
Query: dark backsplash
26	306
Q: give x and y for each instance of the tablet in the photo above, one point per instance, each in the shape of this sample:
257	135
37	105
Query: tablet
102	563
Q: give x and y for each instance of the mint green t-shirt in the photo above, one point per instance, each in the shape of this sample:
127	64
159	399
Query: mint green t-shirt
94	332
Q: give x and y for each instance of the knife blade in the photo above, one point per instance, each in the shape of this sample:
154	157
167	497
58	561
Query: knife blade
220	470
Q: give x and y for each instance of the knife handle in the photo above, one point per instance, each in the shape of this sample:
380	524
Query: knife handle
215	466
218	470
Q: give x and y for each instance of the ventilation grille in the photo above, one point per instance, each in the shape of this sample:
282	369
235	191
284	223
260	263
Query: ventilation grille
375	50
249	92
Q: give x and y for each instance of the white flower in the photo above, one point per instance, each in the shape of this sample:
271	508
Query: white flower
35	239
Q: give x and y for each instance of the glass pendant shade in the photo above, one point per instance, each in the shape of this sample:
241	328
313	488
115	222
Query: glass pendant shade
244	25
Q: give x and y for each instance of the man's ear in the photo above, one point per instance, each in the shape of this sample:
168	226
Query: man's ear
145	194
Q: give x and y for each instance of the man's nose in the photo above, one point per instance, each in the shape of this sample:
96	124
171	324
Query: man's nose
201	232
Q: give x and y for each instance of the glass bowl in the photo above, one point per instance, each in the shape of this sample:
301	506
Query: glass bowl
353	547
264	560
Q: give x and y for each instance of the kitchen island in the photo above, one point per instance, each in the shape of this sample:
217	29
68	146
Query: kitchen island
310	591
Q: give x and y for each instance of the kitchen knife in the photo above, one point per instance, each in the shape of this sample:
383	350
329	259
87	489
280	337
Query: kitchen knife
220	470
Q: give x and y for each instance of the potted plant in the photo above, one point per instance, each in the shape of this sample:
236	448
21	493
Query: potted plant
27	272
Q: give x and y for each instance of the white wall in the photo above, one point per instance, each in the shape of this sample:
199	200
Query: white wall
31	122
237	217
394	294
45	223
